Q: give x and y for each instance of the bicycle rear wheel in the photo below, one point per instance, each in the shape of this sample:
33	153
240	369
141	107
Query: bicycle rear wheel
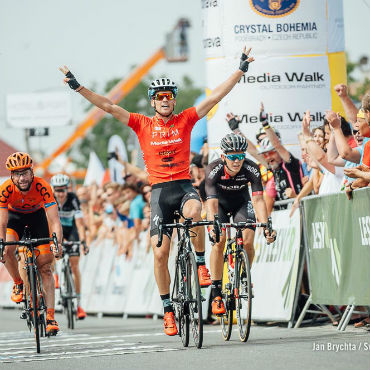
177	299
194	300
244	295
34	306
69	291
227	295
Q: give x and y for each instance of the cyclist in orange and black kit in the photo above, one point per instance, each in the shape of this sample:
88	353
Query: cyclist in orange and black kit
165	142
26	200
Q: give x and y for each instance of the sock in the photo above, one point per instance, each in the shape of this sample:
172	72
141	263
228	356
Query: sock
216	288
78	295
166	301
18	282
200	258
50	314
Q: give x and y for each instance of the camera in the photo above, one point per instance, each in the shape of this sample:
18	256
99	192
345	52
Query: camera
112	155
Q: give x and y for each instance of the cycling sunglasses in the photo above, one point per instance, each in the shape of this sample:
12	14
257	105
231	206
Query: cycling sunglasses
354	132
161	95
60	190
234	157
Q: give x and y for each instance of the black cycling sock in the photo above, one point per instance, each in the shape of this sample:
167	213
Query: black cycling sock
200	258
167	304
216	288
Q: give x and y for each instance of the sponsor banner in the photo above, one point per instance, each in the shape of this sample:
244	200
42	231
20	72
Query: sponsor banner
287	87
275	270
212	42
276	27
335	26
338	237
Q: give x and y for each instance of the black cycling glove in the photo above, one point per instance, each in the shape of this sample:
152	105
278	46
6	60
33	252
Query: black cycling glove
234	123
73	84
263	119
244	63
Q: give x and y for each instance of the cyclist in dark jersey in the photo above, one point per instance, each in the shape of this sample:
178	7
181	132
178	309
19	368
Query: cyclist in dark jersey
71	218
226	187
165	142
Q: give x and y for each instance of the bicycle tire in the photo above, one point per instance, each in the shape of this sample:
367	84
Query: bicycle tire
69	292
41	304
34	310
194	299
227	295
177	299
244	296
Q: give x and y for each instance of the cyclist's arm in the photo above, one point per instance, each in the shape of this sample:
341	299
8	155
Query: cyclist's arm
212	208
260	207
54	222
106	105
80	224
3	222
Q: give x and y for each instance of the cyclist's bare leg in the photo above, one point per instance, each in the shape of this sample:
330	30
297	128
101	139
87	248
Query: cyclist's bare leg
44	262
11	263
248	243
192	208
74	261
161	273
217	260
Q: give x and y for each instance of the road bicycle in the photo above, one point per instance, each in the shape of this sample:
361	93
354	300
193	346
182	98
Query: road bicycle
186	293
236	281
68	294
34	310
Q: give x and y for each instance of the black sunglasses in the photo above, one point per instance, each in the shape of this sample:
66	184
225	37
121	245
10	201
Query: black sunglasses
354	132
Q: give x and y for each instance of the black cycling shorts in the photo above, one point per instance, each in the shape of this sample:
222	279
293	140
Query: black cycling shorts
37	223
71	234
167	198
241	209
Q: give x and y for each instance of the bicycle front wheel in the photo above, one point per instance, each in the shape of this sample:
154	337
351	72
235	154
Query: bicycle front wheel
244	295
194	300
69	291
228	297
41	305
178	296
34	306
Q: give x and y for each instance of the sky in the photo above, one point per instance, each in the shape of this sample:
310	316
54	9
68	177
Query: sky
101	40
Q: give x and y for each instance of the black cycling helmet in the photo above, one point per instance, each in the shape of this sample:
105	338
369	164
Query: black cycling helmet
161	84
233	143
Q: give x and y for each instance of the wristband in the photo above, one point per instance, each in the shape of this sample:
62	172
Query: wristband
244	63
266	127
263	119
73	84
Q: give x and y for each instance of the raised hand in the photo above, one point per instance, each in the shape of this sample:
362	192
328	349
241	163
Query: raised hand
333	118
341	90
70	79
306	124
245	60
233	121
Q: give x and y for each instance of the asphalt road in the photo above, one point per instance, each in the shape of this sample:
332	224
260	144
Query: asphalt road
116	343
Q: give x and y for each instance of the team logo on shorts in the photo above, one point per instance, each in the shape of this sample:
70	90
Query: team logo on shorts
274	8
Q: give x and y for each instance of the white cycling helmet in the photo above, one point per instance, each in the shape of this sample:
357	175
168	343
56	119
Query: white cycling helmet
59	180
161	84
265	146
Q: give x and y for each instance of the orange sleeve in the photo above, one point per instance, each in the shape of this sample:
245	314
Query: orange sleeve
366	156
46	193
191	116
6	189
134	121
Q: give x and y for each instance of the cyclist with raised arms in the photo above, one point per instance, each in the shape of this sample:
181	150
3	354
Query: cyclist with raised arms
226	187
71	218
165	142
27	200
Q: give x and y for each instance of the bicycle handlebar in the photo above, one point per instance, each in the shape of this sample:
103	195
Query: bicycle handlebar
29	243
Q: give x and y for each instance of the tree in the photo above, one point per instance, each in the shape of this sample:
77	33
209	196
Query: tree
357	89
137	101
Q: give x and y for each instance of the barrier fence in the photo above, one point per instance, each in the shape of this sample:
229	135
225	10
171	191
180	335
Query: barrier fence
335	244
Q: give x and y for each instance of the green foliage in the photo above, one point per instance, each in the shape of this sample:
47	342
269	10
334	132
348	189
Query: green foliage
357	88
137	101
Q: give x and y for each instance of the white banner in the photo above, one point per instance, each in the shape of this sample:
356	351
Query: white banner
275	270
286	86
38	109
270	27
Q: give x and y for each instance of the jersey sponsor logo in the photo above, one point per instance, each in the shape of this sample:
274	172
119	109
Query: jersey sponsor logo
167	159
164	134
166	142
169	165
213	173
167	152
256	172
43	191
232	187
5	194
274	8
156	220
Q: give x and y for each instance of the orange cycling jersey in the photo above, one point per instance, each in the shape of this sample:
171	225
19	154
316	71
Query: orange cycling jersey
39	196
166	146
